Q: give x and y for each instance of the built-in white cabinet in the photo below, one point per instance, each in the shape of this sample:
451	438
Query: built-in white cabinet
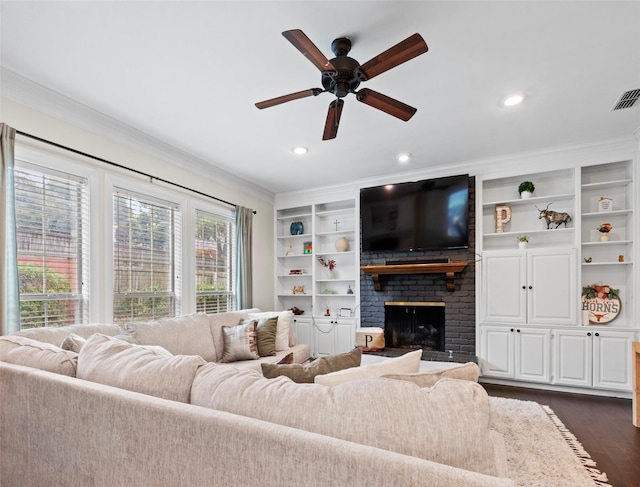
317	271
317	258
593	358
332	335
511	352
529	314
303	329
529	286
607	197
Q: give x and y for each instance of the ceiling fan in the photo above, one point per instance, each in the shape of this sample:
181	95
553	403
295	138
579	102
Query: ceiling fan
342	75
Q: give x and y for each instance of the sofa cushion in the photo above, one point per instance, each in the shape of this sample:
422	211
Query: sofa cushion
407	363
139	368
56	334
21	350
184	335
469	371
307	373
218	320
73	342
266	336
240	342
448	423
285	325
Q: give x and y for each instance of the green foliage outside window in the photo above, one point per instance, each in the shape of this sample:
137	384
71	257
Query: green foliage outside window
33	281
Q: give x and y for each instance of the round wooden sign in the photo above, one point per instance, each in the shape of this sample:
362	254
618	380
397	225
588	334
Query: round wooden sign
601	311
602	302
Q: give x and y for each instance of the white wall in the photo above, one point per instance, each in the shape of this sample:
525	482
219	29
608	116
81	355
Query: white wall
193	174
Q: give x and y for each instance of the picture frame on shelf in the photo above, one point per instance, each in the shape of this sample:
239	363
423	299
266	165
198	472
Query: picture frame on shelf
296	228
307	248
605	204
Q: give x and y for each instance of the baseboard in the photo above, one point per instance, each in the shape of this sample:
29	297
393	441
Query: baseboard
557	388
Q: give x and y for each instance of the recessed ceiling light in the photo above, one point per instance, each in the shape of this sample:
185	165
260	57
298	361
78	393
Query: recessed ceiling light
300	150
404	157
513	100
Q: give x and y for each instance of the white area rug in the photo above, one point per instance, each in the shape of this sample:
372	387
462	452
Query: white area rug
540	450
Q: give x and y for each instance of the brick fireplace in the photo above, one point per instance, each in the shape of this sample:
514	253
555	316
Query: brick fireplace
458	305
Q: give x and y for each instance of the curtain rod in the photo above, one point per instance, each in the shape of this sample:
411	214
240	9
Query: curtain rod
111	163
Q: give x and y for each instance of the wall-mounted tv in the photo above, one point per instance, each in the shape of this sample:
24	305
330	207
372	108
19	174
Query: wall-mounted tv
421	215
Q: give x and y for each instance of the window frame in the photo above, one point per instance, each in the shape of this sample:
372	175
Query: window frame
56	163
223	213
154	193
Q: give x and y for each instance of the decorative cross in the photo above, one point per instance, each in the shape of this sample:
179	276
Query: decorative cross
336	224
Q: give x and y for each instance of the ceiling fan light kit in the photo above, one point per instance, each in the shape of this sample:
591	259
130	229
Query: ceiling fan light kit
342	75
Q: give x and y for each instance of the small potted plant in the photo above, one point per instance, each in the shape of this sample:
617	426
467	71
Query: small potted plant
525	189
604	230
523	240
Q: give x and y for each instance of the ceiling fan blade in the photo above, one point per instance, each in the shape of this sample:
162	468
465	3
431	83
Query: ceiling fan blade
386	104
290	97
402	52
303	44
333	119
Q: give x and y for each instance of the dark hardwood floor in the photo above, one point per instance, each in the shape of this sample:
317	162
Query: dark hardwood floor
602	424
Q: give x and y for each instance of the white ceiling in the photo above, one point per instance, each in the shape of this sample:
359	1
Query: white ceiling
189	73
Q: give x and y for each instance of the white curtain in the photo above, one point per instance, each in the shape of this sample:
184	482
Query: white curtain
9	295
244	267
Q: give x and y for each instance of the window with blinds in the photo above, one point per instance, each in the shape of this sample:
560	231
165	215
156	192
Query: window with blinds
214	263
52	213
146	257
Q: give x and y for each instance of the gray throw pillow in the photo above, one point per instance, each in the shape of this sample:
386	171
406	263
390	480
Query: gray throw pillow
307	373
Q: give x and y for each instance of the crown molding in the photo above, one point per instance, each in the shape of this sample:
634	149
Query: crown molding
42	99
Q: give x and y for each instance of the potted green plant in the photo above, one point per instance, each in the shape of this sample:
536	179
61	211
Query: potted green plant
525	189
523	240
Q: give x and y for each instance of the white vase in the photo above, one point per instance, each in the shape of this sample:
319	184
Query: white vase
342	244
604	237
525	195
522	245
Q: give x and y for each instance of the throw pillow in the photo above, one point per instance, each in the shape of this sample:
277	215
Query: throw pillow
407	363
469	371
287	359
73	342
149	370
307	373
266	335
448	423
240	342
285	324
21	350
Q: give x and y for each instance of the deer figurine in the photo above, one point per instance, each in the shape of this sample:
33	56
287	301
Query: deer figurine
551	216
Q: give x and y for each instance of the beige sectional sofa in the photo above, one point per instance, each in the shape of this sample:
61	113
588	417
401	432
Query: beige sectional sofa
140	414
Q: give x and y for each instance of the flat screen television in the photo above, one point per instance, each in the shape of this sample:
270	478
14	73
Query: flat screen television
420	215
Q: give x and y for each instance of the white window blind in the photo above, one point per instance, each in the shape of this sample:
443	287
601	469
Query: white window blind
52	214
214	263
146	257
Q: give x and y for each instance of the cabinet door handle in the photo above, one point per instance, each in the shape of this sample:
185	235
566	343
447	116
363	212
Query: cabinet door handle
530	287
597	334
589	334
524	287
518	330
511	329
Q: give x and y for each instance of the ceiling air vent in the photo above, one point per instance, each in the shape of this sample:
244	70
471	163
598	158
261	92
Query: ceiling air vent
627	100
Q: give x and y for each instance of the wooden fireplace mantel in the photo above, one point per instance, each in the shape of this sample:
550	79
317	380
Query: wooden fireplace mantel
447	268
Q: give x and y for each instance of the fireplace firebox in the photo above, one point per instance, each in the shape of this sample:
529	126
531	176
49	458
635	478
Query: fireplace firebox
414	325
